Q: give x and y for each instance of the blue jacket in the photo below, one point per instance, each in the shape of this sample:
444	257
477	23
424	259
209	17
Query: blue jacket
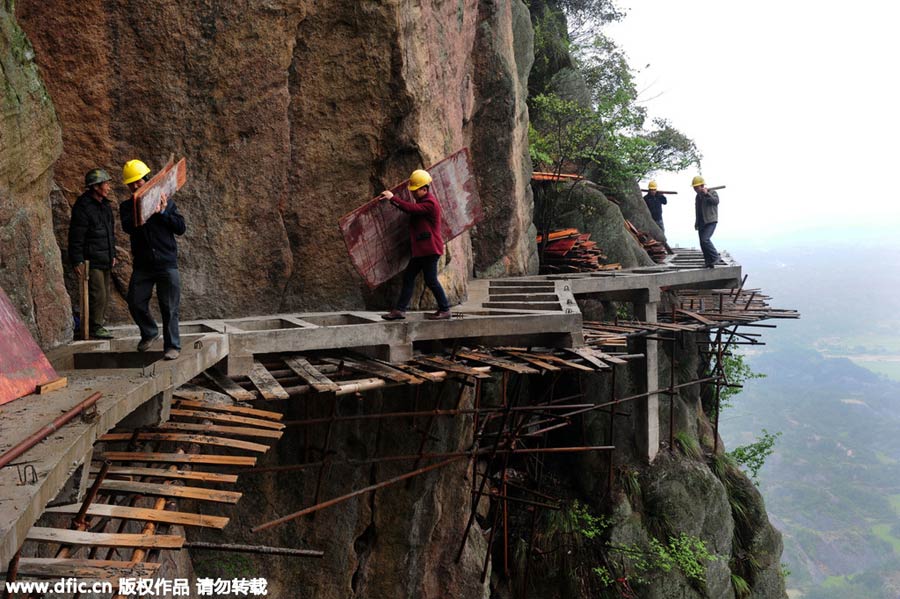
153	244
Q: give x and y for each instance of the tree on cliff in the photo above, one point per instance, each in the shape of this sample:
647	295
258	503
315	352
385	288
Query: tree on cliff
586	113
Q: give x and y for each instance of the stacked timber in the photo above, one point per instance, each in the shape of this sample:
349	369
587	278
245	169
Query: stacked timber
570	250
654	248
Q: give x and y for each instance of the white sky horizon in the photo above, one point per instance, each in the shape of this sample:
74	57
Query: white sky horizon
791	105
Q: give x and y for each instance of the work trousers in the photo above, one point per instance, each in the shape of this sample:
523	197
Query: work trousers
168	293
98	297
710	255
661	226
428	266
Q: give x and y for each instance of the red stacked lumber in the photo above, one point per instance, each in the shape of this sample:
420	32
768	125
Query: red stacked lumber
654	248
570	250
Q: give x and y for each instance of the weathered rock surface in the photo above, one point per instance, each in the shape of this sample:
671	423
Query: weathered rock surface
399	541
30	267
588	210
292	113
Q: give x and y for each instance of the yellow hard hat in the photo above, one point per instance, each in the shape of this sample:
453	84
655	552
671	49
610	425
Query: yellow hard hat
134	170
652	185
698	180
417	179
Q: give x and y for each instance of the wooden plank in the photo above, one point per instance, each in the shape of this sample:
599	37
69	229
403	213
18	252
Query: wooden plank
122	512
227	385
445	364
263	380
535	361
497	362
213	407
566	363
239	431
311	375
375	369
216	417
178	458
64	536
93	569
433	377
695	316
188	438
162	185
165	473
608	358
59	383
588	356
164	490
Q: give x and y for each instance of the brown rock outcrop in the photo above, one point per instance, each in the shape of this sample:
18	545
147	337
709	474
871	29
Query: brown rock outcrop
292	113
30	267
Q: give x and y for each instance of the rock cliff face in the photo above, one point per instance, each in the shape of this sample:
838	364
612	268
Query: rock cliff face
30	267
292	113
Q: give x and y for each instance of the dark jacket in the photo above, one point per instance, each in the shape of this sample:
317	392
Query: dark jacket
424	225
92	232
153	244
654	205
706	208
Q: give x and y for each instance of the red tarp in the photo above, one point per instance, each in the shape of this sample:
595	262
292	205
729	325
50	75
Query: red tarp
377	233
23	366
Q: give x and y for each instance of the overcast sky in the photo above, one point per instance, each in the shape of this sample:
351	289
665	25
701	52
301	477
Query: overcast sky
792	103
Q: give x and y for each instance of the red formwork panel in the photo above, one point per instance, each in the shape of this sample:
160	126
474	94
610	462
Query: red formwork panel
377	233
164	183
23	366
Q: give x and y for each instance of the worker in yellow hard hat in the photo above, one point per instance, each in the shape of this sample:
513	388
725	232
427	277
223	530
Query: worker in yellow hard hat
706	210
427	245
155	261
655	200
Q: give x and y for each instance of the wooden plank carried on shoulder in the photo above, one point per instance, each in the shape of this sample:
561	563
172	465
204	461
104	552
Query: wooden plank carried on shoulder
165	473
94	569
122	512
218	417
164	490
311	375
192	403
188	438
65	536
263	380
497	362
239	431
227	385
179	458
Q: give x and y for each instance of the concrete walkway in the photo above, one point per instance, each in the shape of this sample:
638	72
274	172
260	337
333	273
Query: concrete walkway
534	310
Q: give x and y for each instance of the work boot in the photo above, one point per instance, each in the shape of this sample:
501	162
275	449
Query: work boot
439	315
101	333
171	354
394	315
144	345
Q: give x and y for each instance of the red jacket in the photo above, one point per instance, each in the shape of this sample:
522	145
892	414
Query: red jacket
424	225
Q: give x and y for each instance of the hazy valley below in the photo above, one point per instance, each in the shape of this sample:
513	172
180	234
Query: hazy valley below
833	484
